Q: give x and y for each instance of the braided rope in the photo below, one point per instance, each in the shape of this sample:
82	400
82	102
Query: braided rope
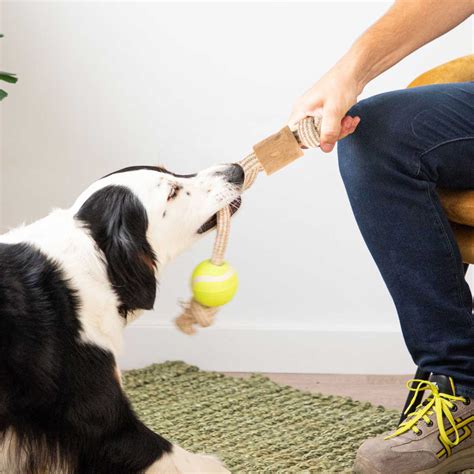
308	134
222	237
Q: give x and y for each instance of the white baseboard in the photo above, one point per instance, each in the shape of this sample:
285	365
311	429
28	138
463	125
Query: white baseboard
256	349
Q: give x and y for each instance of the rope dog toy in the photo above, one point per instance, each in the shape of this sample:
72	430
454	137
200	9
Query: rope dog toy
269	155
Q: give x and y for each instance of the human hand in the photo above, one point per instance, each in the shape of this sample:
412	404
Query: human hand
332	96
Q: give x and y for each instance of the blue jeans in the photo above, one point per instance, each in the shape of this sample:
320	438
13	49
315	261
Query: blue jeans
407	144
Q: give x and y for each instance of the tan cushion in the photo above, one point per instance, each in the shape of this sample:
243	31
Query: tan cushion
458	205
457	70
465	239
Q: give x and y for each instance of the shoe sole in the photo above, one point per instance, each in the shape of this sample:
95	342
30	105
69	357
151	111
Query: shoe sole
457	462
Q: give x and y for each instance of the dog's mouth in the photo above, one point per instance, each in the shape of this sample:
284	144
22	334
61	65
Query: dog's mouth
211	223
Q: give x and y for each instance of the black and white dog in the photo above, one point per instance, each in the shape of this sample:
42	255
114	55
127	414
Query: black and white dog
69	283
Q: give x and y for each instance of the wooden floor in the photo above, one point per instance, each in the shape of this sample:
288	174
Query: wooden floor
386	390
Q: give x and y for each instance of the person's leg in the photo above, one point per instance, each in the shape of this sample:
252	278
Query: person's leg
408	143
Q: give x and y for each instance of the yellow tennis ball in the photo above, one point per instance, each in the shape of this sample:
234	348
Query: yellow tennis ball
214	285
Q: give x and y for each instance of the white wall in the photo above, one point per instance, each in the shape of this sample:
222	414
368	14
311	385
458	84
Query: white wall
105	85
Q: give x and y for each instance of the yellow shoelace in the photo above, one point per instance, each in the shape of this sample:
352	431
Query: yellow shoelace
439	403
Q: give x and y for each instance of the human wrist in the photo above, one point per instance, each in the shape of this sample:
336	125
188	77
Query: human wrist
355	67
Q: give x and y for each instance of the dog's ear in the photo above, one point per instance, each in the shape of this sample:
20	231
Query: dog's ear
118	223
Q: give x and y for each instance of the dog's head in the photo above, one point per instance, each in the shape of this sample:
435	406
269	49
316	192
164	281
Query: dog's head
143	216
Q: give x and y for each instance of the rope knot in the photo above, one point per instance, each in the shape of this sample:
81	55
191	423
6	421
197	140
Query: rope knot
195	313
308	131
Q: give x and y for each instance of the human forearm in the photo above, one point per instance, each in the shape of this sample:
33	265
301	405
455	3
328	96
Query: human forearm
407	25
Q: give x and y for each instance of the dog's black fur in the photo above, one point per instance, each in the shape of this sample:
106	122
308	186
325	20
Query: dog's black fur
118	223
59	395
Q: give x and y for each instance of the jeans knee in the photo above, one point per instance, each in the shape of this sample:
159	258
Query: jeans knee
381	143
355	152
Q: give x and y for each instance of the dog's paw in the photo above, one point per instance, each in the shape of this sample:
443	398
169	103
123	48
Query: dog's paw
180	461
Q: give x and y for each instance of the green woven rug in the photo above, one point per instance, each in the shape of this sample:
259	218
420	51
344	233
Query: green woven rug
253	425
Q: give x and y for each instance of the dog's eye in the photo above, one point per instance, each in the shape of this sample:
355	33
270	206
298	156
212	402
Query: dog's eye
173	192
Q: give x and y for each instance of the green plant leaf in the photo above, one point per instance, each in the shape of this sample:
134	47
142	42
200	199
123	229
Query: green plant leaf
3	94
1	35
8	77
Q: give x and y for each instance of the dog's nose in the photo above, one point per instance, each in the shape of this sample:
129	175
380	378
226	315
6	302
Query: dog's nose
235	174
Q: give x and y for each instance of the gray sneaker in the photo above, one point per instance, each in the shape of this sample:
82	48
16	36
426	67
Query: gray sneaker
436	436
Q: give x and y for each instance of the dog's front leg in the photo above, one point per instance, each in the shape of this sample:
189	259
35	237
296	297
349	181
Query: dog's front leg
180	461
